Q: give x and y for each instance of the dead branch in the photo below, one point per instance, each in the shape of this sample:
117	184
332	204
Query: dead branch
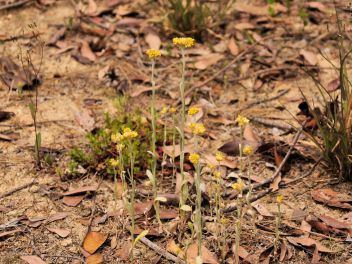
17	189
161	251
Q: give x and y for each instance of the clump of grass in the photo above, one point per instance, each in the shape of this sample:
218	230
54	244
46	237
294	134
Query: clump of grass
334	125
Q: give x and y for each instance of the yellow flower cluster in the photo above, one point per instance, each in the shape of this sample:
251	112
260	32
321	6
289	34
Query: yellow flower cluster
197	129
242	121
217	174
172	110
164	110
129	134
194	158
238	186
248	150
193	111
119	147
184	42
219	156
152	53
114	162
116	137
279	198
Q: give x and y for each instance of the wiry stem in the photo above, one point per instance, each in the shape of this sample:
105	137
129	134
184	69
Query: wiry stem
183	196
199	202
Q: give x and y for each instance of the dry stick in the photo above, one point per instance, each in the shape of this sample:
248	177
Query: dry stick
304	175
271	123
15	4
264	101
161	252
17	189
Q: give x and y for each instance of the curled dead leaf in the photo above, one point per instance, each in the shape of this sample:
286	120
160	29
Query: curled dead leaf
93	241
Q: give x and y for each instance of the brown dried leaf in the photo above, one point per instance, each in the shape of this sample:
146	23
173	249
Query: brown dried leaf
61	232
73	200
95	259
87	52
93	241
81	190
153	40
334	222
265	255
251	135
123	252
333	85
33	259
262	210
309	56
57	216
7	233
328	196
242	252
139	89
309	242
205	61
143	207
233	47
207	256
168	213
173	248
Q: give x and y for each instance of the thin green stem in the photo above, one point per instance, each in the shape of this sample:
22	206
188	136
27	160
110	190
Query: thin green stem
199	201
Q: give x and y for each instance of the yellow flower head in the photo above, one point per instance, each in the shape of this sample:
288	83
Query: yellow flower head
238	186
194	158
192	126
198	129
279	198
242	121
248	150
184	42
193	110
114	162
116	137
217	174
224	221
152	53
119	147
129	134
164	110
211	166
219	156
172	110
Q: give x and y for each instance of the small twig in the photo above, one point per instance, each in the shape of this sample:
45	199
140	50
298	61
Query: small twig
253	199
271	123
285	184
17	189
161	251
264	101
15	4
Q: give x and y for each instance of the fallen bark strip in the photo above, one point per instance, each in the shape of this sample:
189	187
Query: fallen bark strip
17	189
161	251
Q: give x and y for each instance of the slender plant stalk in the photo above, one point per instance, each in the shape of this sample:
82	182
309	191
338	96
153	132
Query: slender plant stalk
199	202
183	196
133	189
277	227
154	156
174	149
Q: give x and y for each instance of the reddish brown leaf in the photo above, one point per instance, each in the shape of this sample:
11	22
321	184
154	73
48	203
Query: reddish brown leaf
168	213
95	259
123	252
309	242
233	47
207	256
87	52
334	222
153	40
81	190
333	85
262	210
328	196
143	207
72	200
309	56
205	61
7	233
57	216
33	259
93	241
61	232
